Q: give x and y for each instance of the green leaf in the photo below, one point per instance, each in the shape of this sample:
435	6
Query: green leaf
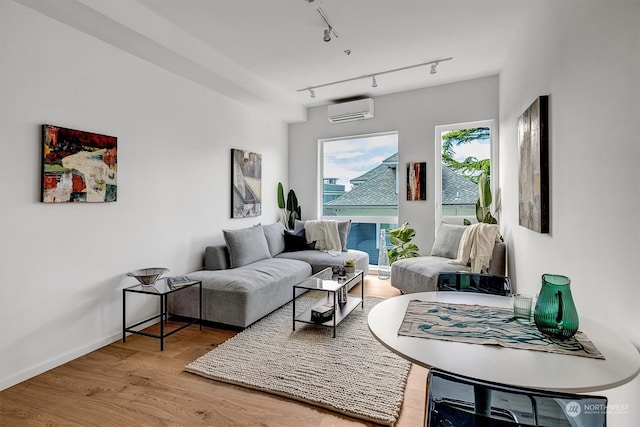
292	201
489	219
281	204
400	239
479	211
484	189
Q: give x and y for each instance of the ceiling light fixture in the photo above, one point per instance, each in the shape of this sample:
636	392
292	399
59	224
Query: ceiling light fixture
327	35
374	83
329	29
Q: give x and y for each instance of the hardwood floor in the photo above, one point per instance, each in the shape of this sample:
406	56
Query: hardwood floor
134	384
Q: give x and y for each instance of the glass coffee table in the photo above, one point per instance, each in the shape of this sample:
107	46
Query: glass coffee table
325	280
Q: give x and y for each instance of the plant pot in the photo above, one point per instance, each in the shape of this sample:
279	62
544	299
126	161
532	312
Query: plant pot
350	270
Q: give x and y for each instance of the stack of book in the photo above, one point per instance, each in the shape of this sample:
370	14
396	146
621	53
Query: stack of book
176	282
322	313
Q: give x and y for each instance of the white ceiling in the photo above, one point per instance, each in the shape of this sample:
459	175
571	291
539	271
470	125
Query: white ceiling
262	51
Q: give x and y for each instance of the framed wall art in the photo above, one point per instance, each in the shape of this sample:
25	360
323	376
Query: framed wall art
533	172
417	181
246	184
78	166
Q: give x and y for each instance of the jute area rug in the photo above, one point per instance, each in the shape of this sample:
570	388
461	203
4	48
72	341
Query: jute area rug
351	374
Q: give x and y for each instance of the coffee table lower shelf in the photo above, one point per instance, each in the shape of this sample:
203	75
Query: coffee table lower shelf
340	311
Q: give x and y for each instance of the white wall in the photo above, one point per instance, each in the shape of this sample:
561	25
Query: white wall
62	266
586	57
414	115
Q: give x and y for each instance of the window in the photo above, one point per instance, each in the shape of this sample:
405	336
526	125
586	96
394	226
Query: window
463	152
359	182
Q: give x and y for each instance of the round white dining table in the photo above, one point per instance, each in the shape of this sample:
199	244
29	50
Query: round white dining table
516	367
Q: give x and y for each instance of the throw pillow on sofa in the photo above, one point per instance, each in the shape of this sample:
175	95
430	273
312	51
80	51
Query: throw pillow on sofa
294	242
246	245
275	241
448	240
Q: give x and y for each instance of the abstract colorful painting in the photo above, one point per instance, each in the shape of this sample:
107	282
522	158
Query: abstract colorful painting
246	187
78	166
417	181
533	173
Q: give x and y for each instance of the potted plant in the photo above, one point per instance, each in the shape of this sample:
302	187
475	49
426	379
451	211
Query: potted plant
349	265
483	211
290	210
401	246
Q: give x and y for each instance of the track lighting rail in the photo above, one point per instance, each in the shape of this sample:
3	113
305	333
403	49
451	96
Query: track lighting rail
434	65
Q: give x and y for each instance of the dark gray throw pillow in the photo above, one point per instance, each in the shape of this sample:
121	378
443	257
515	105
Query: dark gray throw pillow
448	240
246	245
295	241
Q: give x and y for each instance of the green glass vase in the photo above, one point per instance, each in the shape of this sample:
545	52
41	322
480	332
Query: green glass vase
555	313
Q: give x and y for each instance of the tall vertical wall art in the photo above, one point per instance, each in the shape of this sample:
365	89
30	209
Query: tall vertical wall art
533	173
417	181
78	166
246	190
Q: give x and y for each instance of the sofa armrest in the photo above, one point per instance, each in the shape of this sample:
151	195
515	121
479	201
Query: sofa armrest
498	262
216	258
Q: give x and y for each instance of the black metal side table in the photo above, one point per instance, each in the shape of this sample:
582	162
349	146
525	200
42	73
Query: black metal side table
160	289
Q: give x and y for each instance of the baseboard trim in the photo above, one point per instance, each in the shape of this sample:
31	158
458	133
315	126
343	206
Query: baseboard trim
57	361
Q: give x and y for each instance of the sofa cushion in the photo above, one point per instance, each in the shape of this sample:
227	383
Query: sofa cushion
240	296
246	245
447	240
344	227
274	233
320	260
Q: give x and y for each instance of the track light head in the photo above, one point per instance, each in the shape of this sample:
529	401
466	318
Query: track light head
433	68
327	35
374	83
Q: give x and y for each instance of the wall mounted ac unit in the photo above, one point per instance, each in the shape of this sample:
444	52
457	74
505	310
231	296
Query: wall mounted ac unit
350	111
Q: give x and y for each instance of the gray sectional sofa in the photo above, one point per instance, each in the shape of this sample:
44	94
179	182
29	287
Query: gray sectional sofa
253	274
421	274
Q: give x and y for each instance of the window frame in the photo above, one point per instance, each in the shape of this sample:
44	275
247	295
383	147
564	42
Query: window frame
320	183
495	169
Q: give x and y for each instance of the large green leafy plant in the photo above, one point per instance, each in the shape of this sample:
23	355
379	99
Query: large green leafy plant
401	246
483	212
290	210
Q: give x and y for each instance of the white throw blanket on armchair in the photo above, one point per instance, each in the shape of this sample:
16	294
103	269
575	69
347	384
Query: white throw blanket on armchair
324	233
476	246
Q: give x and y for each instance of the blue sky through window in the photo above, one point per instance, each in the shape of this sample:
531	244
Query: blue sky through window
349	158
478	148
